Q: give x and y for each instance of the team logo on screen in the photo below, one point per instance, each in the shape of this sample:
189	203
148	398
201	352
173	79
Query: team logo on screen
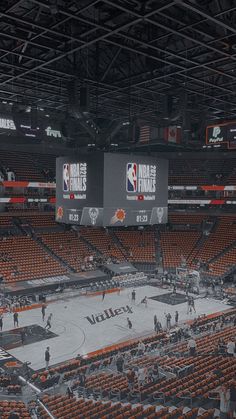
160	214
66	178
141	178
60	213
217	135
216	132
119	216
131	177
74	177
93	214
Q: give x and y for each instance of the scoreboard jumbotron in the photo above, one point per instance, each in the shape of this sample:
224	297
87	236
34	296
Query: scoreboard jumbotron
111	190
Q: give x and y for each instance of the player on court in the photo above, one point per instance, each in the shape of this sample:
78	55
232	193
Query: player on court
174	288
129	323
189	303
48	324
1	321
193	304
144	301
176	317
133	296
168	320
15	319
43	311
155	322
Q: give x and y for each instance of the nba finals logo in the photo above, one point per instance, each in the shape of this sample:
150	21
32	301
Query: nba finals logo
141	178
74	177
131	177
66	177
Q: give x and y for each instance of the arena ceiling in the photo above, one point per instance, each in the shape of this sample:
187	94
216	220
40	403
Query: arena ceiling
159	61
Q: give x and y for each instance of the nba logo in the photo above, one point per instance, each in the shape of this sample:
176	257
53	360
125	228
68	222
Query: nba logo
66	177
131	177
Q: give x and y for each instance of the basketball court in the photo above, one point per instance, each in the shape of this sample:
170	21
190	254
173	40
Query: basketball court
84	324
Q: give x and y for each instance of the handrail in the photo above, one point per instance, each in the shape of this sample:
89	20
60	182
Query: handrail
46	409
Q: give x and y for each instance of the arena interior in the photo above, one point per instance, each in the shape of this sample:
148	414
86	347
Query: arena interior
117	209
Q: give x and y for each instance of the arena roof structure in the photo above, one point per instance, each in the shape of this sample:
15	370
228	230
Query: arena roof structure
160	61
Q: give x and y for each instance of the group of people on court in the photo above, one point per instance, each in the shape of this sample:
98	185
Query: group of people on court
23	330
158	325
16	318
133	299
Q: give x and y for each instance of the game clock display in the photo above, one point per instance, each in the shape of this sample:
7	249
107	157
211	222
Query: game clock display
74	217
142	218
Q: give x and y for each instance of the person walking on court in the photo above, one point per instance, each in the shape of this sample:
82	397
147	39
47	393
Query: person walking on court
15	319
189	303
48	324
193	304
155	322
176	317
103	294
22	335
133	296
129	323
43	310
144	301
47	357
174	288
168	320
1	322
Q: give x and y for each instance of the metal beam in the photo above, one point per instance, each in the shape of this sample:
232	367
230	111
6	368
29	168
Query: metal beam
208	16
115	56
86	44
94	2
175	32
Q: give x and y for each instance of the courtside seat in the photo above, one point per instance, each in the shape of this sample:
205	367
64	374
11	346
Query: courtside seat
197	384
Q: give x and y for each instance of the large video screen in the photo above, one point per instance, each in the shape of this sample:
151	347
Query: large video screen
111	190
79	190
222	133
135	190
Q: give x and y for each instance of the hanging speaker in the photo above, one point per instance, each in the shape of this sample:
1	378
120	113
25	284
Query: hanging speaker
84	98
168	105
